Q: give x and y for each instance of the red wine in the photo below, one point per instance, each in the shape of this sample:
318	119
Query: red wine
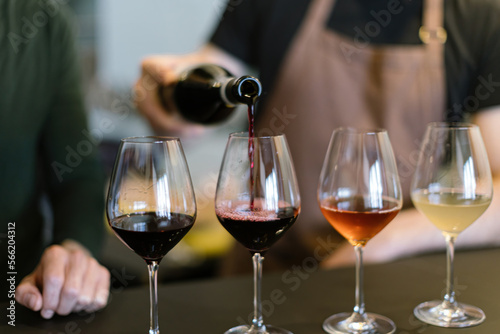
251	135
257	229
209	93
149	235
358	218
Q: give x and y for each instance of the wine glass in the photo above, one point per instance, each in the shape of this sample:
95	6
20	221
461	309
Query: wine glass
359	194
452	187
257	200
151	203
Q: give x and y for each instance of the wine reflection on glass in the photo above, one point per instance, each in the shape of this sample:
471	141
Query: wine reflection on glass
151	203
257	201
359	193
452	187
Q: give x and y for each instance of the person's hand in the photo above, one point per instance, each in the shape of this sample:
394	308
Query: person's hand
157	71
67	279
163	70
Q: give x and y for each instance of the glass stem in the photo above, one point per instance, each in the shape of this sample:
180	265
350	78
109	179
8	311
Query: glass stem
153	297
449	297
360	298
257	321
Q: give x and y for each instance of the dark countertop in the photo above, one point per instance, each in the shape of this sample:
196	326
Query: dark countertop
298	299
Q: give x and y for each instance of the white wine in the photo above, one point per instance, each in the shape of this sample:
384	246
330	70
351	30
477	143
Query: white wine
450	212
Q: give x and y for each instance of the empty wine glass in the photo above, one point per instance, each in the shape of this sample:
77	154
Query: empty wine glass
257	200
151	203
359	194
452	187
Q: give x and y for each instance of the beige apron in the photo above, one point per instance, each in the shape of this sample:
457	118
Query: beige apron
329	80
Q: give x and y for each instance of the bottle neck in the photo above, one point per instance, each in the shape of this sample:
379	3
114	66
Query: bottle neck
225	92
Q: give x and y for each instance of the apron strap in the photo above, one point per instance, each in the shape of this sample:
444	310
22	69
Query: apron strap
432	30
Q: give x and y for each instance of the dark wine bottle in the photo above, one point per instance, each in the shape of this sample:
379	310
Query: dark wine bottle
208	93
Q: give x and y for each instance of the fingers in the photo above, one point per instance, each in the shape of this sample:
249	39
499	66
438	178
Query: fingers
163	71
155	72
28	295
102	288
53	264
146	94
150	67
87	294
95	290
147	100
70	280
73	283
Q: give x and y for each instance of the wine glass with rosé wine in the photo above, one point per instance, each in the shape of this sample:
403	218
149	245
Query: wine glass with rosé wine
452	186
257	200
151	203
359	193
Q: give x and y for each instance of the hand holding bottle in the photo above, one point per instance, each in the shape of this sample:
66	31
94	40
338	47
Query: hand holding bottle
157	71
159	76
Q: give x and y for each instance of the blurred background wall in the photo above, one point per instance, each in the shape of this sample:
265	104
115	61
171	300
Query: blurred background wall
113	37
129	29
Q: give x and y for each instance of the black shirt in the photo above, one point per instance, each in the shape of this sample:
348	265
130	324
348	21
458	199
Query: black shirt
259	32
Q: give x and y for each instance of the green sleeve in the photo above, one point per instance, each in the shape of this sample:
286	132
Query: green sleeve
74	175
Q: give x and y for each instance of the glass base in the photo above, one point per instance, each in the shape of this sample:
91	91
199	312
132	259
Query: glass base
248	330
353	323
444	314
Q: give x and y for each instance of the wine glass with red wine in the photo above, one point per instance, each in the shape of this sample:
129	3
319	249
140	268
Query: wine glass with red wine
151	203
257	200
359	194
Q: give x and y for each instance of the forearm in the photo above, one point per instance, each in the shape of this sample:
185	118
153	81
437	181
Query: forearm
485	232
410	233
213	54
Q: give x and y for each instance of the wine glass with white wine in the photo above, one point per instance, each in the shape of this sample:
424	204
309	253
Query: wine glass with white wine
452	187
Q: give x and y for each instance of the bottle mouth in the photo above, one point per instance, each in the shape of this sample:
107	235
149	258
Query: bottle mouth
249	87
245	90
